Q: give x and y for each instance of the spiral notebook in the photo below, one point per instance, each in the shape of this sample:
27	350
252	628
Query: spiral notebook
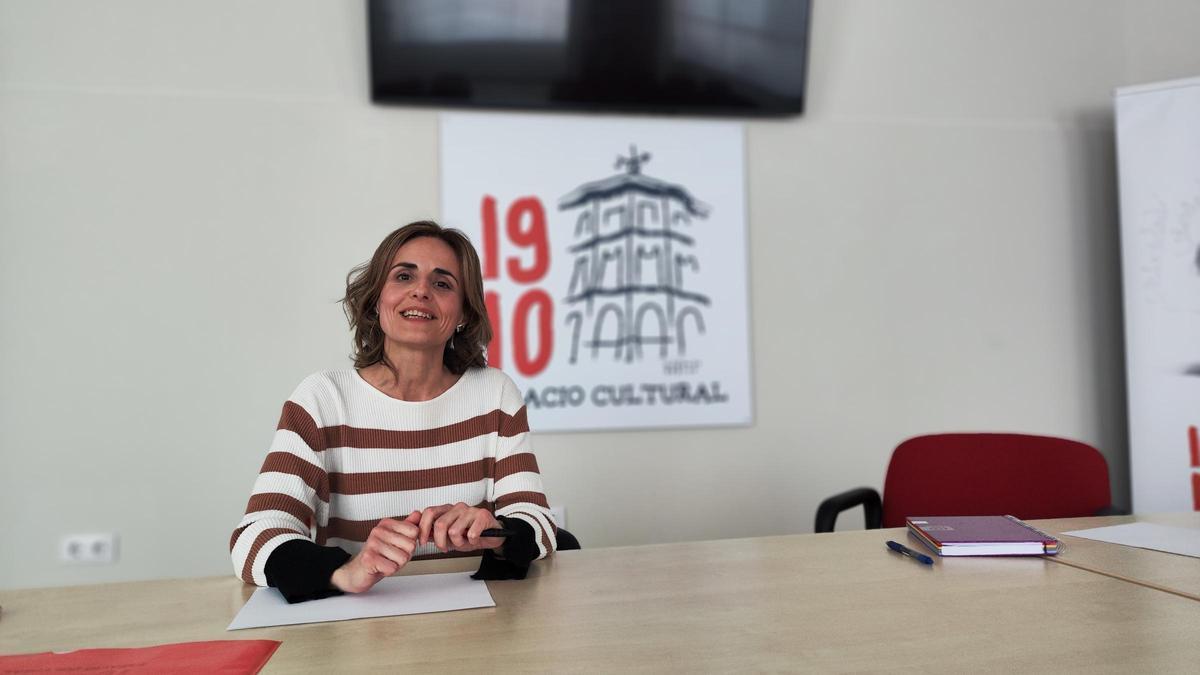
981	535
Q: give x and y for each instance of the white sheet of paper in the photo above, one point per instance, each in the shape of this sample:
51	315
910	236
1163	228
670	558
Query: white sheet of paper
415	594
1181	540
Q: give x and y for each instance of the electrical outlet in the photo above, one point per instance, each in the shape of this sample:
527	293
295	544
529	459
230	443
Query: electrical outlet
559	513
92	549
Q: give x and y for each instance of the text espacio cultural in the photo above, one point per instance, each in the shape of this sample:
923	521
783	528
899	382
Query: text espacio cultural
629	394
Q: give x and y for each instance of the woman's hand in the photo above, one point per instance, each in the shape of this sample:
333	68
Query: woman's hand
388	548
457	528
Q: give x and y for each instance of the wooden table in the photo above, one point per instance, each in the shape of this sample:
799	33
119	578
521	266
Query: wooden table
1169	572
824	602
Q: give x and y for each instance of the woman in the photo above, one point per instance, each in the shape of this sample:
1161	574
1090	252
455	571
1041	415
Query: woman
410	455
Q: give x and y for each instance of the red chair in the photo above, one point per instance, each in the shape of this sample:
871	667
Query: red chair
1022	475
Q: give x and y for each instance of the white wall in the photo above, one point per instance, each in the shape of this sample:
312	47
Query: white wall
184	185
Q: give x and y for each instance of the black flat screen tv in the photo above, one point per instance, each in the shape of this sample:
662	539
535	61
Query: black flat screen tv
700	57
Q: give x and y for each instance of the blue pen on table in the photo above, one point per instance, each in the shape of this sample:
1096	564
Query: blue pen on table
904	550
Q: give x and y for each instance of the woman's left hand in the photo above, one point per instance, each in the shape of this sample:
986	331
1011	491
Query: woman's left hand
457	528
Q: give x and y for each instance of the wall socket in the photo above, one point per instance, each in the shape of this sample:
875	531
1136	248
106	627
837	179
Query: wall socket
559	513
88	549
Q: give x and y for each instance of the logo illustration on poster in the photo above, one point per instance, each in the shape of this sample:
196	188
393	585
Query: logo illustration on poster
632	251
632	256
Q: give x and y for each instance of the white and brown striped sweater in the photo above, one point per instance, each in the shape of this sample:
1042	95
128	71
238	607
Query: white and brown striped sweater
346	455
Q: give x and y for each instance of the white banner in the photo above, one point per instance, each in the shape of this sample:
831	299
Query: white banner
614	259
1158	144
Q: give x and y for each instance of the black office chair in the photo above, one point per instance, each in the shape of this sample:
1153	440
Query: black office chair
567	541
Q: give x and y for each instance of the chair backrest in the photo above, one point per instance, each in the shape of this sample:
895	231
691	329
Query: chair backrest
994	474
567	541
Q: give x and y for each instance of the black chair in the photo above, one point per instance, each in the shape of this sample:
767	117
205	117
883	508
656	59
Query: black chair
567	541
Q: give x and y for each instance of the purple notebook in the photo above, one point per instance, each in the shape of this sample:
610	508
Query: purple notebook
981	535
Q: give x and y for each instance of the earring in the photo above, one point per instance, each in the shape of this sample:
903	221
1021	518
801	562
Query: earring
459	328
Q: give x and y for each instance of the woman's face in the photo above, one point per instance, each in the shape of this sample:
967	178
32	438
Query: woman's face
422	300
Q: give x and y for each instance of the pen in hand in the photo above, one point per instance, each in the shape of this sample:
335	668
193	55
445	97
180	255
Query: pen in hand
904	550
498	532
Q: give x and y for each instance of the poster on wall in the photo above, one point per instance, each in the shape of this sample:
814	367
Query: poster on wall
1158	147
614	255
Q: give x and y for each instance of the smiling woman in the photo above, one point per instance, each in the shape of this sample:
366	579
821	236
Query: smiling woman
413	453
377	281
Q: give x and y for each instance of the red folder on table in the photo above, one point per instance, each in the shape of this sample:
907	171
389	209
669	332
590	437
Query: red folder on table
216	656
981	535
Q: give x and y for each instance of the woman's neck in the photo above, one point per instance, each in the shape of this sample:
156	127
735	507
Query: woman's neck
418	376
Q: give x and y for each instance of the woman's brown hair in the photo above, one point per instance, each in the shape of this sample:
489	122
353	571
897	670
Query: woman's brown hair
365	283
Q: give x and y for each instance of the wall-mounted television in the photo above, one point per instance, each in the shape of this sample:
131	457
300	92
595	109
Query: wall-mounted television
701	57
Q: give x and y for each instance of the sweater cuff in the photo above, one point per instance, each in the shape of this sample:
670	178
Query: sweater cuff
301	569
517	553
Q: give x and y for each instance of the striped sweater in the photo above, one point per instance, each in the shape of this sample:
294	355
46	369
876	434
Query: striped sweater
346	455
